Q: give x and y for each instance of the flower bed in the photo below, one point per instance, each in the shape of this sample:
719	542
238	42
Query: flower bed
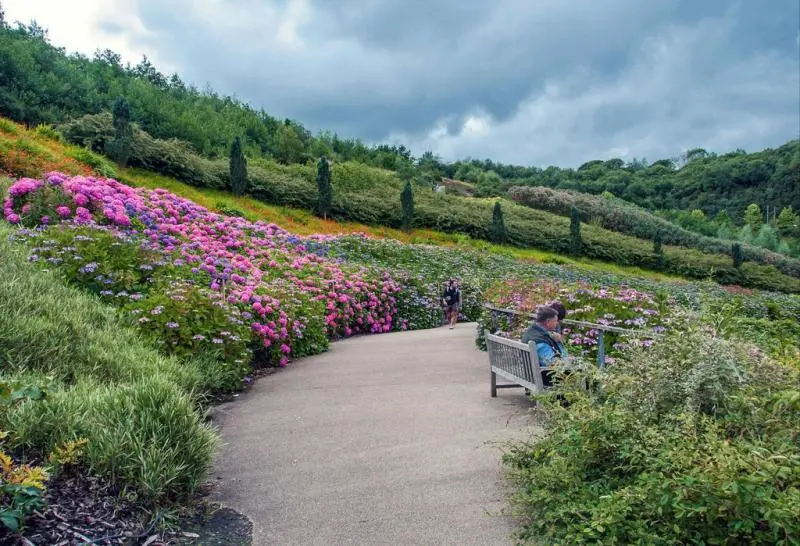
192	277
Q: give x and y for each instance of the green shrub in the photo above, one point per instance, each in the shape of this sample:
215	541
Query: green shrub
49	131
228	210
168	157
148	433
693	441
351	176
185	319
281	189
50	327
162	301
112	266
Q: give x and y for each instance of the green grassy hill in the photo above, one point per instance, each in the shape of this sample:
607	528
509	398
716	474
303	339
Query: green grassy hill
43	85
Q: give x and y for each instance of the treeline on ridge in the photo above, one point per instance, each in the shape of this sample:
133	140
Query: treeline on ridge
44	85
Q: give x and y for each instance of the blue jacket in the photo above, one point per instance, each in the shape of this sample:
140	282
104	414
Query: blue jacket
546	347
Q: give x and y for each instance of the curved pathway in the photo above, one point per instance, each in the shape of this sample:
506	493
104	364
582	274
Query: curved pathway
385	439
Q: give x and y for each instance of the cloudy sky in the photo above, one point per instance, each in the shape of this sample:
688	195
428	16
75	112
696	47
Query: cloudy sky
532	82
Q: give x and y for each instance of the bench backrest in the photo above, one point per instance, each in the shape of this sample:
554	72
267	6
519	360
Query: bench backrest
513	358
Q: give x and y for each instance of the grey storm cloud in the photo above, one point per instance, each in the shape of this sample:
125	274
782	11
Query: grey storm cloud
532	82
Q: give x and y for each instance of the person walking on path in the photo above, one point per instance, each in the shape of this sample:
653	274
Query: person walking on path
451	297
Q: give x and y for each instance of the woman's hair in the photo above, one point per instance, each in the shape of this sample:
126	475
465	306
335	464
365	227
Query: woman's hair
560	309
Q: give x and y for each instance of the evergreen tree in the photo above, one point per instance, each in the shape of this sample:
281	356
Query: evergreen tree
289	146
119	148
736	254
575	241
497	231
767	238
788	222
658	250
324	187
753	217
407	201
238	168
746	234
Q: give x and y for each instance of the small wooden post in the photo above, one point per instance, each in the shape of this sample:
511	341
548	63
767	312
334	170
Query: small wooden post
601	350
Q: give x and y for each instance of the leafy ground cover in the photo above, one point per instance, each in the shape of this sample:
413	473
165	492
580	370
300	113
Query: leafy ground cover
692	441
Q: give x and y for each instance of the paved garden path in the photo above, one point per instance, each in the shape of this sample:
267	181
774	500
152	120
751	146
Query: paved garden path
386	439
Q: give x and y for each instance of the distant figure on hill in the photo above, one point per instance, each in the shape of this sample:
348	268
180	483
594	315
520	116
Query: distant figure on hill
542	333
451	298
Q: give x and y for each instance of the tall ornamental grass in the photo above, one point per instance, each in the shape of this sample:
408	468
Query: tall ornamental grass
137	408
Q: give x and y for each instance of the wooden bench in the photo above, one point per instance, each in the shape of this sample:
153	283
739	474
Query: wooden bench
515	361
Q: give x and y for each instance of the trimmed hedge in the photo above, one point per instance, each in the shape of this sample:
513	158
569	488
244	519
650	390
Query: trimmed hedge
629	219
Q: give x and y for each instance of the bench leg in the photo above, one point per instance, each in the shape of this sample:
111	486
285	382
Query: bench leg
494	385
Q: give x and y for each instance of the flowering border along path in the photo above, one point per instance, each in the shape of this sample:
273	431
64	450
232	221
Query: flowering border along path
293	297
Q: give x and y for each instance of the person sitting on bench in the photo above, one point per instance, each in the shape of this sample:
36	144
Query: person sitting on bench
547	348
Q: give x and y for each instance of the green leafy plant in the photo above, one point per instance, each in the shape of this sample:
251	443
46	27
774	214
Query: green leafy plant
692	441
21	485
48	131
228	210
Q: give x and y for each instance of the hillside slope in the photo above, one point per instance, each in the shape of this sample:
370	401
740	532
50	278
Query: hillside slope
371	197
